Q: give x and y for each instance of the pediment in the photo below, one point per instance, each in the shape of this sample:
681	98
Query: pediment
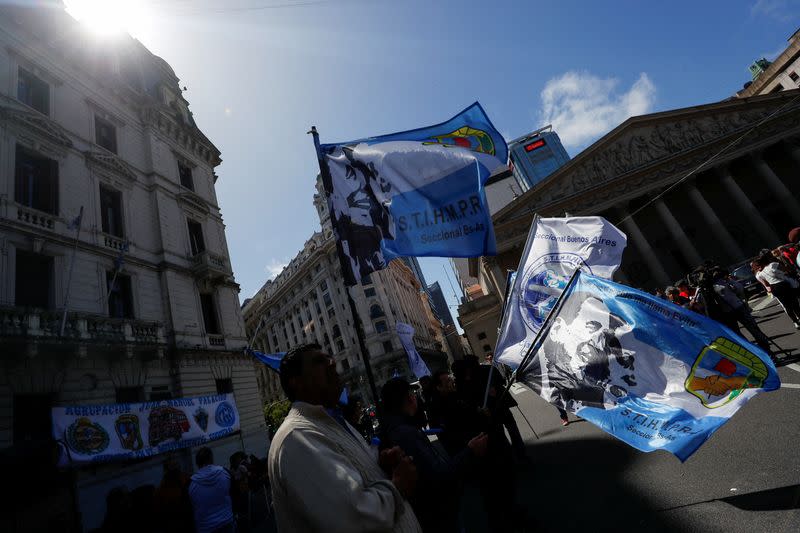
193	201
655	140
38	125
110	163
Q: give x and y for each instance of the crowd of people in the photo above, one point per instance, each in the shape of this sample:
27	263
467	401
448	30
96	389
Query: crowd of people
214	499
712	290
326	476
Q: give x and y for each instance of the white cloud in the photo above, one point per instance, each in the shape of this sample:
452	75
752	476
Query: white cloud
781	10
582	107
274	268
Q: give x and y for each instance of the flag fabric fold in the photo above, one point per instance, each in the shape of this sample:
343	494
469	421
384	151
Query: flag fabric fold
272	360
414	193
555	248
650	373
415	361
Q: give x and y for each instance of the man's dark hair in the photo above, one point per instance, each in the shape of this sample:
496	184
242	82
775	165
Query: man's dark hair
204	457
437	377
292	365
394	394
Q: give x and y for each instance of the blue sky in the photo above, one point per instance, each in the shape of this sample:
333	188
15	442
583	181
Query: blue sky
259	73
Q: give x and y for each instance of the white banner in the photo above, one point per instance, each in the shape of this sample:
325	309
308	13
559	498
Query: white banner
555	248
123	431
415	361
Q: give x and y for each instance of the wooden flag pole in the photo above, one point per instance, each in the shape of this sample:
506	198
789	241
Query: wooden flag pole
328	184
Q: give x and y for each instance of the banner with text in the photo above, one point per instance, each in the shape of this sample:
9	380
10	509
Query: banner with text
123	431
555	248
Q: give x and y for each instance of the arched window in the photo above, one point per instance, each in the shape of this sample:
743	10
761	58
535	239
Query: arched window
375	311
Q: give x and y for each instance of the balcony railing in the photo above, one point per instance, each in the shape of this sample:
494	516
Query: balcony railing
208	265
216	341
35	217
42	324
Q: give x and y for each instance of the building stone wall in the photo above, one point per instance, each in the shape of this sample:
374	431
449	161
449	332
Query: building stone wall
162	348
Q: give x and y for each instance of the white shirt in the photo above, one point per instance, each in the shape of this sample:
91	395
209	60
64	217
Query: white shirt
772	274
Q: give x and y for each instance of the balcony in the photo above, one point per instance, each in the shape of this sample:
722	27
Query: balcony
43	325
216	341
210	266
34	217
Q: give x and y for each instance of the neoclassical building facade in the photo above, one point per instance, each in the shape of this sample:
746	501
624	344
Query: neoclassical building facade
307	302
712	182
100	127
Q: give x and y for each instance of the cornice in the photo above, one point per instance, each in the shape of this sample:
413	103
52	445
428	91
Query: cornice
108	162
36	124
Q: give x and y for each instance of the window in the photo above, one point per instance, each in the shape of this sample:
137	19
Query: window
32	418
778	88
487	348
380	326
120	300
376	312
34	280
794	76
481	336
345	365
339	345
36	181
326	298
111	211
130	394
185	173
33	91
105	134
196	237
209	314
336	331
159	393
224	386
387	346
366	280
369	292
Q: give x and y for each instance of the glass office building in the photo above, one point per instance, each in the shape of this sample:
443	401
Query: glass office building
536	155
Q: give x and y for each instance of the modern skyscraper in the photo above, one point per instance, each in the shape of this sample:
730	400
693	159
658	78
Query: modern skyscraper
536	155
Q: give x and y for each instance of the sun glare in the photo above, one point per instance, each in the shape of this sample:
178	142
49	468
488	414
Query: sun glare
109	17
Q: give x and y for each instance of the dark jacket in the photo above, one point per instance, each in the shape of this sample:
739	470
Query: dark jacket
436	502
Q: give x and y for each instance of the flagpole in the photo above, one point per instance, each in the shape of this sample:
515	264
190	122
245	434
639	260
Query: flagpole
69	274
508	292
326	178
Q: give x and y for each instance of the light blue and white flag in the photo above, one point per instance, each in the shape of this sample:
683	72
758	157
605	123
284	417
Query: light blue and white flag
650	373
272	360
555	248
415	361
415	193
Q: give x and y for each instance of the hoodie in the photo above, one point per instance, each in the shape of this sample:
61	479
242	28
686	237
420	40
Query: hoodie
210	492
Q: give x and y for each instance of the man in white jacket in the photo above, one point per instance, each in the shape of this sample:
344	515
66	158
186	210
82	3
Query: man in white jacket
323	475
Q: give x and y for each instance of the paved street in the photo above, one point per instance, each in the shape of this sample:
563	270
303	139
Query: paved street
745	478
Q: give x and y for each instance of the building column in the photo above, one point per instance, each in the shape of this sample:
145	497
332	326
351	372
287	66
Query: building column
749	210
781	191
720	231
688	250
645	250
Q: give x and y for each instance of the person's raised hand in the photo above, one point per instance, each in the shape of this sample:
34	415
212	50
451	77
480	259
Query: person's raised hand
479	445
390	458
404	476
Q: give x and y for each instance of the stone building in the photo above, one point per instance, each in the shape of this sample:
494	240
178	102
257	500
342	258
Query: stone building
711	182
153	313
783	74
307	302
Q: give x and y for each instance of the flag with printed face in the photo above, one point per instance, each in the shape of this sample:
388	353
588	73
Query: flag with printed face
555	248
415	193
649	372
